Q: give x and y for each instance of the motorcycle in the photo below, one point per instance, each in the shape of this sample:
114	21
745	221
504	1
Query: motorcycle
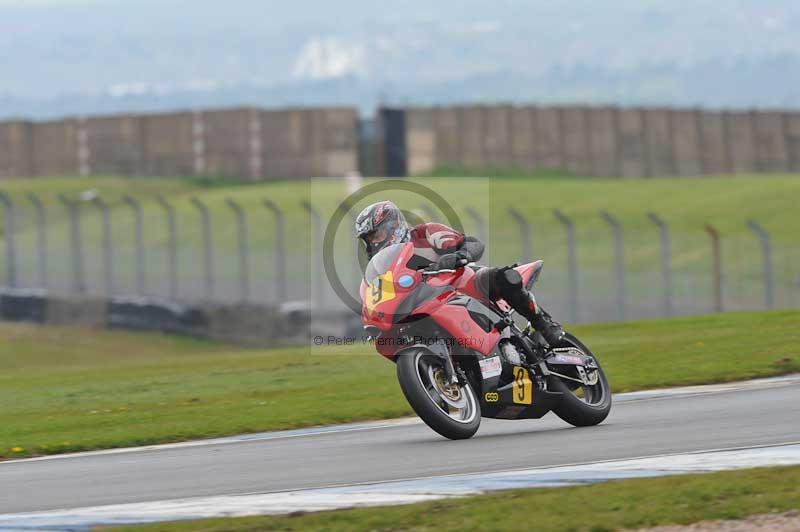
459	358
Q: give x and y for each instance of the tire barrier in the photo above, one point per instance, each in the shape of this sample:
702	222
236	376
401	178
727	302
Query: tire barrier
140	314
23	305
294	323
81	311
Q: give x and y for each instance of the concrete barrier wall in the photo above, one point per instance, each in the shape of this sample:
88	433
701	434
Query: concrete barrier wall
339	141
686	143
497	141
285	143
634	160
658	137
473	132
421	141
16	149
770	141
252	144
601	141
115	145
169	147
714	153
742	142
56	148
792	124
227	144
603	127
523	138
448	137
244	143
550	143
576	138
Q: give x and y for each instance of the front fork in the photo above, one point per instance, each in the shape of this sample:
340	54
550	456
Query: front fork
450	372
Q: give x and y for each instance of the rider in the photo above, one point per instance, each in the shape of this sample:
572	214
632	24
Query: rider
383	224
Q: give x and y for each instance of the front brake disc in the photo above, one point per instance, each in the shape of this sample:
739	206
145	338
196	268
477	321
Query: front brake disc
456	400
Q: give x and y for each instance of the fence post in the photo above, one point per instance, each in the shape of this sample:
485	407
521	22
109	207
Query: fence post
480	222
9	233
766	252
569	226
716	250
280	251
108	254
241	232
619	261
76	243
41	238
141	286
524	233
172	246
666	254
208	253
316	222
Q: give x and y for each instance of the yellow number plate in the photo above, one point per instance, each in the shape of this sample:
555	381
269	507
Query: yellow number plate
523	387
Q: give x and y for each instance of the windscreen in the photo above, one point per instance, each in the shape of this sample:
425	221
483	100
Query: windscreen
382	262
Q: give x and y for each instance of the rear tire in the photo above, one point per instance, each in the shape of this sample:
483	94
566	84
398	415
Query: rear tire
412	374
572	409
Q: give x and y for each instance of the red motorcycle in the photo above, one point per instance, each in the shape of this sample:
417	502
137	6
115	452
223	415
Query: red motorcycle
459	358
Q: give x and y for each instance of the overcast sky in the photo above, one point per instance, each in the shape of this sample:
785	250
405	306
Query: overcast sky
62	48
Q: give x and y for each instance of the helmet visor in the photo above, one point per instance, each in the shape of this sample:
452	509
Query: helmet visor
378	236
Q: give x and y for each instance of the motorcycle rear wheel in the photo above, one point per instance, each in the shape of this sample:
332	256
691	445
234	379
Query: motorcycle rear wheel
452	411
582	406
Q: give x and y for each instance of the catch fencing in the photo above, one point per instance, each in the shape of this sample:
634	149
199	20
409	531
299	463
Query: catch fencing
262	250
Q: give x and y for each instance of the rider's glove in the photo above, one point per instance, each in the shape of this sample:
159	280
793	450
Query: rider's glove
451	261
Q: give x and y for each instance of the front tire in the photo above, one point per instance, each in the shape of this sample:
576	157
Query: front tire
453	414
595	405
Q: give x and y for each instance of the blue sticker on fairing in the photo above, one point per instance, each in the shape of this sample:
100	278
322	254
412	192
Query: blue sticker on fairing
405	281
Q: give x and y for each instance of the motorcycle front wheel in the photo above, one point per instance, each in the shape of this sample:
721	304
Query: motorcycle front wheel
452	410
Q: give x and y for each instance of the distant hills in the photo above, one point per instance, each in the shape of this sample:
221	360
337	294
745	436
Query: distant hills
64	57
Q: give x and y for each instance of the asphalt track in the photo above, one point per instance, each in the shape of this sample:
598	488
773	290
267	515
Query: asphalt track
639	425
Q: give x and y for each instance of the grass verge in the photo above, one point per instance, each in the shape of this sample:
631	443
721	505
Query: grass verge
596	508
71	389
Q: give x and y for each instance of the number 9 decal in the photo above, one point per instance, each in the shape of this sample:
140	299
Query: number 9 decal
376	291
381	291
523	387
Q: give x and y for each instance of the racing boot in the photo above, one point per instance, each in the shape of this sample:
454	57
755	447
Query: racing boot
509	283
547	326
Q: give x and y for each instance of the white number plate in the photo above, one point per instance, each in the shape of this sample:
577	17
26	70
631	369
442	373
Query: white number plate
490	367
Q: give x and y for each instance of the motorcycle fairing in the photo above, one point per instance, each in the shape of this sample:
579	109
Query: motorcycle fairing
505	396
530	273
457	320
525	397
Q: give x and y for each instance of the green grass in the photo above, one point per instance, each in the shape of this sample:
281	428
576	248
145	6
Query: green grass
68	389
687	204
595	508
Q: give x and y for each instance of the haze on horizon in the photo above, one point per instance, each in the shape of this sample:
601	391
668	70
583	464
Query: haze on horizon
88	56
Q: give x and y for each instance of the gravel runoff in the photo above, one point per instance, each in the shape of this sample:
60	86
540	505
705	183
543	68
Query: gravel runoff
782	522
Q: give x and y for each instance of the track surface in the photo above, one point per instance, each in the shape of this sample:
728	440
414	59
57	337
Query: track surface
635	428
